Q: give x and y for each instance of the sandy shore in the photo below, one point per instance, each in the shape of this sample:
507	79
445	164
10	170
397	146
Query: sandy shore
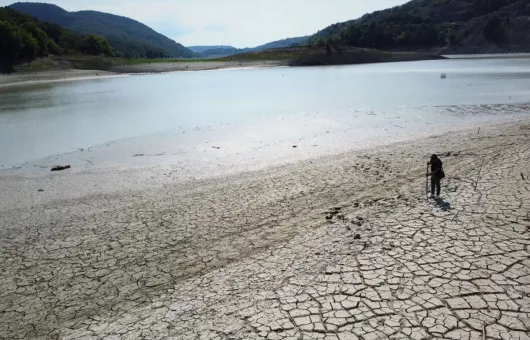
23	78
339	247
195	66
52	76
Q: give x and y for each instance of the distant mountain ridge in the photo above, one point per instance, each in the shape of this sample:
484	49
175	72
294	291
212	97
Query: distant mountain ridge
225	51
288	42
201	49
121	32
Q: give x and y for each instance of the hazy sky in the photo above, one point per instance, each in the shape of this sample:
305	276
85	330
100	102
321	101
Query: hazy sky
240	23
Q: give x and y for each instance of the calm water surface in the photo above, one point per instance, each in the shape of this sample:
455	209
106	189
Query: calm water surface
40	120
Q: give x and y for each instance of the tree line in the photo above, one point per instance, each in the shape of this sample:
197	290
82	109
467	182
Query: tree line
132	49
422	24
387	35
23	39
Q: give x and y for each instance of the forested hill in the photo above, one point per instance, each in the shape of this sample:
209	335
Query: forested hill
126	36
460	26
23	39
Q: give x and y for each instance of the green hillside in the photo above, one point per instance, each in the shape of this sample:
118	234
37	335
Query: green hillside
23	39
444	25
128	37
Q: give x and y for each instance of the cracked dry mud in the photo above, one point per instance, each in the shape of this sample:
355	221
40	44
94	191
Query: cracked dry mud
341	247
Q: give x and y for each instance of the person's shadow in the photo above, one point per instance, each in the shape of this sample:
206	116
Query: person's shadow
445	206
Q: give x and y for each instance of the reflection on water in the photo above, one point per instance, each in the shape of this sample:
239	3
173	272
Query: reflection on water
39	120
25	97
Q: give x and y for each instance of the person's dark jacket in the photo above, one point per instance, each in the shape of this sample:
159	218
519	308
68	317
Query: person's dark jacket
436	168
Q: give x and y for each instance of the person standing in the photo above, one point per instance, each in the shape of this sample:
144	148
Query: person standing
436	174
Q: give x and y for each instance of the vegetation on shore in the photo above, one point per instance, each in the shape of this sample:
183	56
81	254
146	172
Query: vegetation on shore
346	55
129	38
333	55
446	25
294	56
24	39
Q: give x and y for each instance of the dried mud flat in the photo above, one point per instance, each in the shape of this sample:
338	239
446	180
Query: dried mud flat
340	247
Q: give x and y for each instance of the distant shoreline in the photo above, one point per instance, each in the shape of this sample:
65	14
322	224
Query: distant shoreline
358	56
488	56
67	68
183	66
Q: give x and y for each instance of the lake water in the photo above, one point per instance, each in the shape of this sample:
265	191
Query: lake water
230	112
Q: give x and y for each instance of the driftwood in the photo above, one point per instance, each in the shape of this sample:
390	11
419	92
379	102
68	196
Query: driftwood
61	167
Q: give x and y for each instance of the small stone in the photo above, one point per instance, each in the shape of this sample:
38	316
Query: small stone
41	190
357	237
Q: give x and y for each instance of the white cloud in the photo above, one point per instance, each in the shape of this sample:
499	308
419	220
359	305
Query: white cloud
241	23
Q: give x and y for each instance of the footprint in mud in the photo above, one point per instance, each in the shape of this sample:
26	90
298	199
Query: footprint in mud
333	212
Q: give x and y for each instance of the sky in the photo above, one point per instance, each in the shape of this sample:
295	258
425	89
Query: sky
239	23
